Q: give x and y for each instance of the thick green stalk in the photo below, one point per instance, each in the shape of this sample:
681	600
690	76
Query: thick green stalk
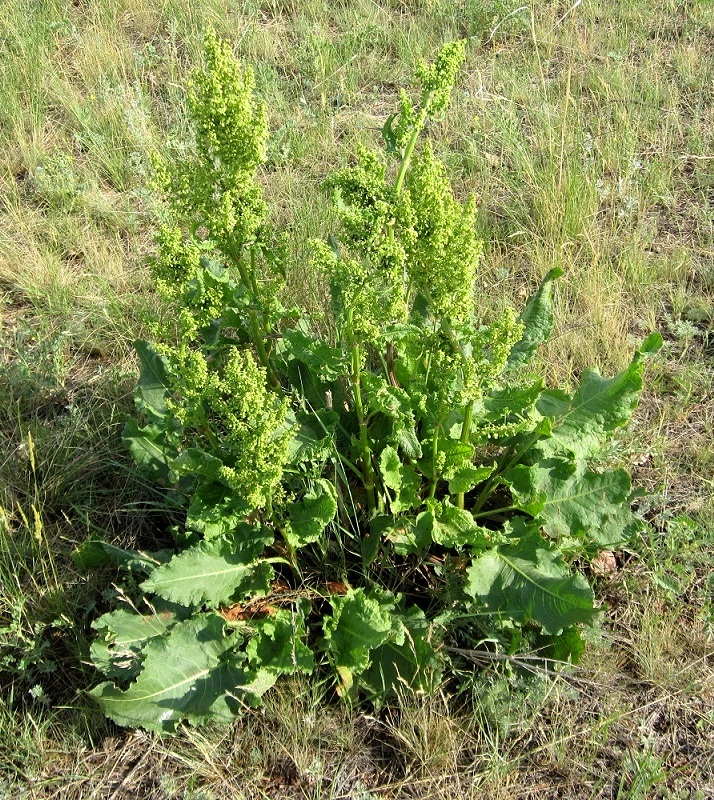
493	511
465	434
263	356
258	331
234	251
409	149
363	432
209	433
434	456
406	159
253	280
365	448
511	458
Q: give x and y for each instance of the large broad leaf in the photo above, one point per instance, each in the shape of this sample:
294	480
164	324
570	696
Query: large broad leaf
402	479
537	321
358	624
529	581
313	435
406	438
327	363
405	534
567	646
313	366
455	528
588	507
406	661
278	647
598	407
310	517
215	510
508	412
151	449
512	402
194	461
96	553
217	571
122	634
457	465
380	397
187	674
465	477
154	383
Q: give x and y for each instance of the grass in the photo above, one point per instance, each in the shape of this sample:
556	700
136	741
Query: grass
586	131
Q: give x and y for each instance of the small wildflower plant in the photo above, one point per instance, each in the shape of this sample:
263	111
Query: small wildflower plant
374	503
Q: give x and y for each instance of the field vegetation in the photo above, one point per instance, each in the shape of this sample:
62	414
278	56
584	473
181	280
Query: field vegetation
586	132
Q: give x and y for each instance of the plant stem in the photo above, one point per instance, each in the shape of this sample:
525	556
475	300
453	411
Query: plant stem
210	434
258	331
406	159
409	149
344	460
251	275
234	251
465	434
262	352
434	455
511	457
366	451
493	511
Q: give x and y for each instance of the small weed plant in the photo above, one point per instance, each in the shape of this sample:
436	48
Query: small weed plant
373	493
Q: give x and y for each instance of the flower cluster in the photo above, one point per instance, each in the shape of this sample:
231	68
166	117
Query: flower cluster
444	254
227	410
252	422
486	353
216	187
404	240
368	280
437	79
179	276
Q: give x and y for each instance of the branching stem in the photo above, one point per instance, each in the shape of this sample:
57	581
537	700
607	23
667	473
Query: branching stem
407	158
366	450
434	458
493	511
511	457
258	331
409	149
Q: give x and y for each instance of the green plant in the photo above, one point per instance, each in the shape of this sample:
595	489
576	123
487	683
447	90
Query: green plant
377	499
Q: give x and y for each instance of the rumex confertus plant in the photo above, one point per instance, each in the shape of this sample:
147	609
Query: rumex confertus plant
369	503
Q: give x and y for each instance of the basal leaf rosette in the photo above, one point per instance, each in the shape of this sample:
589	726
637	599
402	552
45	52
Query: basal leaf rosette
581	509
187	675
581	424
216	572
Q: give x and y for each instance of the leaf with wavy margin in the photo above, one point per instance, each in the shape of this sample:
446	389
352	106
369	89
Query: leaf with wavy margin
215	571
529	581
